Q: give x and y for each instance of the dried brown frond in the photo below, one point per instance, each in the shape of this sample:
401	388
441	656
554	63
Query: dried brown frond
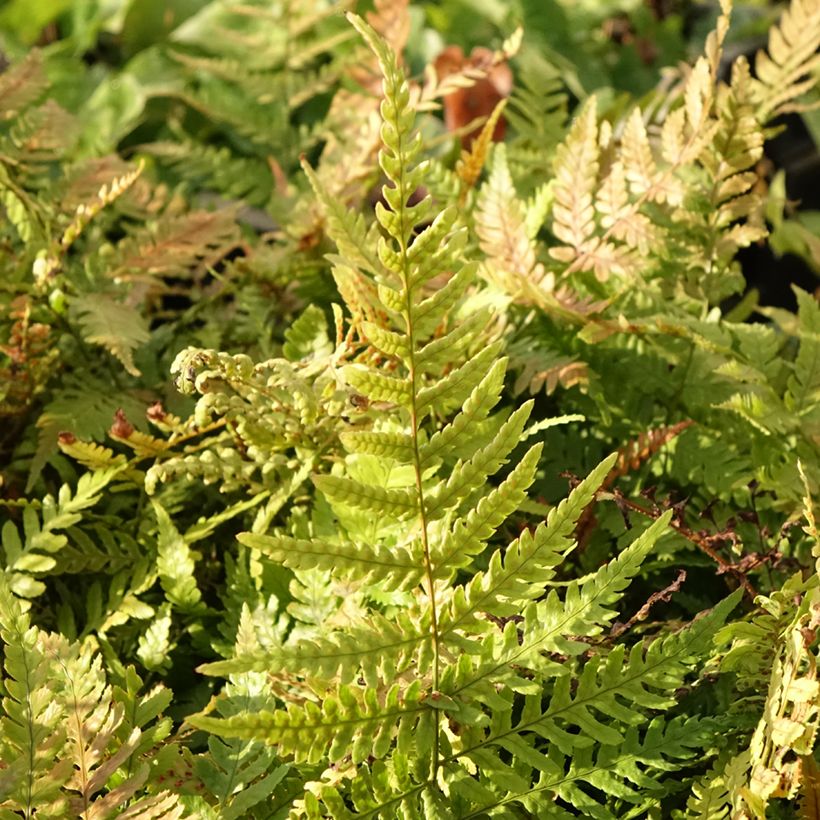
642	448
471	89
84	180
85	211
664	595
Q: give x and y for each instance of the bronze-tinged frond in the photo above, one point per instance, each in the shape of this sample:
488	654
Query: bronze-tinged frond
785	70
642	448
472	159
181	246
22	84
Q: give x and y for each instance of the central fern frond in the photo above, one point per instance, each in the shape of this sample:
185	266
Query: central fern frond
449	651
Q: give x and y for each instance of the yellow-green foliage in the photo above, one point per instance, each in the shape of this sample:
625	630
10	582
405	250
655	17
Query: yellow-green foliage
339	554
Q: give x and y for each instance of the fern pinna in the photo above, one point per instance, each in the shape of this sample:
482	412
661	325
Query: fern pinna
458	687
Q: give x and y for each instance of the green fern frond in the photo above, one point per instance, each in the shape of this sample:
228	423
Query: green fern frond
32	729
429	664
44	532
351	722
241	774
175	564
215	168
117	327
804	386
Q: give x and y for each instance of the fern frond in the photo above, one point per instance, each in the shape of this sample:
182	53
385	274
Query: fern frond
92	721
32	729
377	649
395	567
117	327
623	771
240	774
215	168
175	563
518	574
351	722
576	170
502	232
345	228
44	536
22	84
472	159
619	686
804	385
784	70
710	799
181	245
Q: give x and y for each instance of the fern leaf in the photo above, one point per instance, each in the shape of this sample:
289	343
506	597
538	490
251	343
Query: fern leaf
180	246
467	477
639	167
353	722
366	496
240	774
175	563
576	169
118	328
307	336
347	230
396	567
784	73
32	731
378	648
804	386
468	536
518	573
601	683
472	159
552	626
22	84
502	229
710	799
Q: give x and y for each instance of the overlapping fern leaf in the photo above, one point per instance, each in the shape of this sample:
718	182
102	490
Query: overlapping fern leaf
452	685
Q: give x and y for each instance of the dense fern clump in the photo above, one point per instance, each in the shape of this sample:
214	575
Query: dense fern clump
295	371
